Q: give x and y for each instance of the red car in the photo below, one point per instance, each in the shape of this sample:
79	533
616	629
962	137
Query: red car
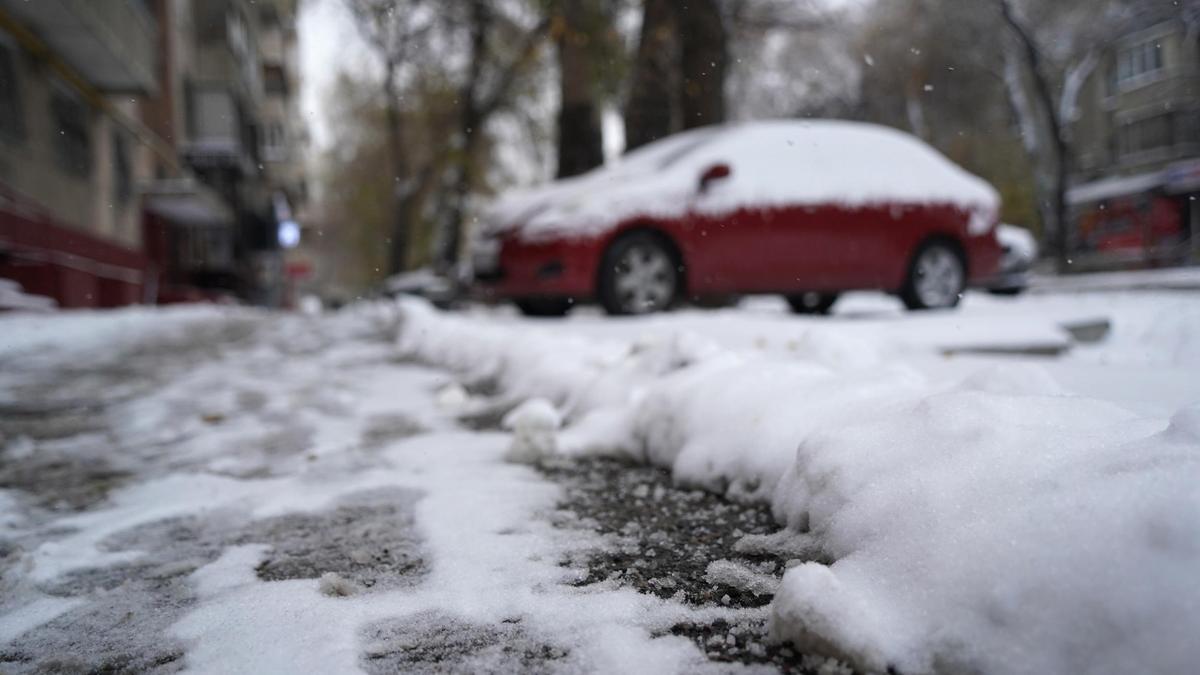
807	209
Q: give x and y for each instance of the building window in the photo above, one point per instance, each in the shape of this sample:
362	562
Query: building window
275	80
1188	129
274	143
268	15
122	170
1146	134
204	248
1138	60
12	121
72	143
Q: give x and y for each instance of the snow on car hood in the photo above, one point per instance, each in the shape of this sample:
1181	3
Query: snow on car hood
773	163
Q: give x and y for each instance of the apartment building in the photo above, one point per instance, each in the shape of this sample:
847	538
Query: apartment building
1136	183
133	165
72	152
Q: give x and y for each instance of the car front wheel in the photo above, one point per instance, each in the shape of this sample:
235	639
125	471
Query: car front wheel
936	277
638	275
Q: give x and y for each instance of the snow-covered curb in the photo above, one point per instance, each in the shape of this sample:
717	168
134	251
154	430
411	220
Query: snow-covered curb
995	524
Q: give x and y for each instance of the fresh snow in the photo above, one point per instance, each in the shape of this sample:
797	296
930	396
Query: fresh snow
943	508
82	330
13	297
774	163
980	514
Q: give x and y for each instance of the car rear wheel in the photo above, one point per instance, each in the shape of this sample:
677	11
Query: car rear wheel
936	277
544	306
812	302
639	275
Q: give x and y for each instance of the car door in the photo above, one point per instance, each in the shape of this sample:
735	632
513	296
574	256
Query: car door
734	246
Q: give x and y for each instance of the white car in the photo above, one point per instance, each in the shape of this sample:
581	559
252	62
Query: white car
1020	251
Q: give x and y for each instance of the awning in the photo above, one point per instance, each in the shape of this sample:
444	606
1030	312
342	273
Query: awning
186	202
111	44
1118	186
1183	176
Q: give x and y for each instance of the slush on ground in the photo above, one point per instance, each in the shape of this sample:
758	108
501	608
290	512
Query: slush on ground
1008	488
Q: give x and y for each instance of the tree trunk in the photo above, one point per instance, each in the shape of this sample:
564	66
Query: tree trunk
398	255
704	59
470	119
580	143
651	111
1058	143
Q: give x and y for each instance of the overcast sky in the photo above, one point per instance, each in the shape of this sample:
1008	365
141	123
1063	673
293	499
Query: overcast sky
329	44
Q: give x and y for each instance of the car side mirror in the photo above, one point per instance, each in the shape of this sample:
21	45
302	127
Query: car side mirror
714	173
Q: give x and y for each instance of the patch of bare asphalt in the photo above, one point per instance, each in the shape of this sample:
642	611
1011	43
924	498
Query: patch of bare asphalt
380	430
367	539
62	482
431	642
663	540
370	540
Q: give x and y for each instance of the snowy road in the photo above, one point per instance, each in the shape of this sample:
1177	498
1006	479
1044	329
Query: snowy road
220	490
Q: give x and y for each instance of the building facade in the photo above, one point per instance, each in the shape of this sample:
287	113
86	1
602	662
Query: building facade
1136	181
132	163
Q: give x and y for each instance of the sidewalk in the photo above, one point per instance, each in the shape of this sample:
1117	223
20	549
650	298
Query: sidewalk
1172	279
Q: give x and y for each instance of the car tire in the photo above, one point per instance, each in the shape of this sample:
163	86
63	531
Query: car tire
812	302
639	274
937	276
544	307
1007	290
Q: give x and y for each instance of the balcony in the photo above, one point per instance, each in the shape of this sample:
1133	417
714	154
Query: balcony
110	44
219	133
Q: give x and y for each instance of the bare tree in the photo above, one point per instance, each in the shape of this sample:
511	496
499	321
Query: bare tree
499	50
704	60
395	30
1043	105
1044	75
652	111
580	29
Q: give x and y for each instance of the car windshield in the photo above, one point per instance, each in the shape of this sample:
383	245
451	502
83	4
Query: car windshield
665	153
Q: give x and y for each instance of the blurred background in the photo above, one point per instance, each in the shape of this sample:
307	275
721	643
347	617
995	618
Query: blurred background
260	151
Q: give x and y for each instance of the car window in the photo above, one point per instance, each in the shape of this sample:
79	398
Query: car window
684	151
664	153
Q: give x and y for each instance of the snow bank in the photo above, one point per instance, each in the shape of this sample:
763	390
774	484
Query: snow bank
774	163
14	298
80	331
988	523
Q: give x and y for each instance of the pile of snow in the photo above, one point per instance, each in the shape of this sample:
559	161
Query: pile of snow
774	163
533	424
990	522
81	331
14	298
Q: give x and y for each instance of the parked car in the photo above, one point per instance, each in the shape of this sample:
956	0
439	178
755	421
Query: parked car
807	209
438	289
1019	253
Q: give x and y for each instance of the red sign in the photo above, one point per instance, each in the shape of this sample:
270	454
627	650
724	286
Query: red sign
299	270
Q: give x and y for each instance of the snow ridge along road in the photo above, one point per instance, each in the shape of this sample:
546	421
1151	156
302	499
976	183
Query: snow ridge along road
979	518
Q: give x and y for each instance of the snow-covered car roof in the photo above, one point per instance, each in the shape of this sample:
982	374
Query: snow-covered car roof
774	163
